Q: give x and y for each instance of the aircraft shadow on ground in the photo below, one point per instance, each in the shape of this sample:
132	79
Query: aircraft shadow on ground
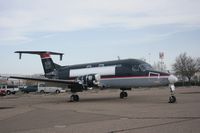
131	99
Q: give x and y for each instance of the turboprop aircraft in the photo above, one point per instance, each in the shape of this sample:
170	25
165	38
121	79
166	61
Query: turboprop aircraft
121	74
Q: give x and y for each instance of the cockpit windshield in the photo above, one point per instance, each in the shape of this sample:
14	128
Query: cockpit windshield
145	67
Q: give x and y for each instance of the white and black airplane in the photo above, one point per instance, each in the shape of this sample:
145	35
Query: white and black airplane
121	74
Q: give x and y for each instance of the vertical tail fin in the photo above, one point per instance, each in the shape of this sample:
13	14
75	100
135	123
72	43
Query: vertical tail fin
48	65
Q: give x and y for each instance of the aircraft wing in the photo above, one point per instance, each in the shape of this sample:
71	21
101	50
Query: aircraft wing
68	82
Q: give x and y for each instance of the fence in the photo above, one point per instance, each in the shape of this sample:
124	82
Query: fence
192	83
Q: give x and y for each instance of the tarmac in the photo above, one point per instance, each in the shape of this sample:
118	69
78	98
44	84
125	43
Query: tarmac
144	111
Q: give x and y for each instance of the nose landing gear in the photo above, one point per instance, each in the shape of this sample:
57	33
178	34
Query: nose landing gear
172	98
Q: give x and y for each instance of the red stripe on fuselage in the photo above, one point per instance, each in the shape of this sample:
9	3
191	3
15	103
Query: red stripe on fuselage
45	55
124	77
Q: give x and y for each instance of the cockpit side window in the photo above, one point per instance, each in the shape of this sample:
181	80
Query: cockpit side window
135	68
144	67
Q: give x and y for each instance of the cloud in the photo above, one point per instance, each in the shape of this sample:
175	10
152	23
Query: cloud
20	19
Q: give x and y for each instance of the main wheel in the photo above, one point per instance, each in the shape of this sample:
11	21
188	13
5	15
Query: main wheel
125	94
122	95
172	99
74	98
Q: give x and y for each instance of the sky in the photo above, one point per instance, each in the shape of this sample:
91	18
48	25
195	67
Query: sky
96	30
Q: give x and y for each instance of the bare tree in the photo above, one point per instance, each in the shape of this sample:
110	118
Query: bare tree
185	66
198	64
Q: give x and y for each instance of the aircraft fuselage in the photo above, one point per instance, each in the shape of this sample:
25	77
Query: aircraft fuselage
120	73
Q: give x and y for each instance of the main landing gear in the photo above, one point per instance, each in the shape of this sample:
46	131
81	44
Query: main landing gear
124	94
74	98
172	98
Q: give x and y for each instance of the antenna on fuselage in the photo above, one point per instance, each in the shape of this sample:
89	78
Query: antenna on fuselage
118	57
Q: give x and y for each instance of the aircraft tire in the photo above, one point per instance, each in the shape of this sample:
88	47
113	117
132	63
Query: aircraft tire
125	94
172	99
74	98
122	95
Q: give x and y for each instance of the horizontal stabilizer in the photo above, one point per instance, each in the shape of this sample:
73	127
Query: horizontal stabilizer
41	53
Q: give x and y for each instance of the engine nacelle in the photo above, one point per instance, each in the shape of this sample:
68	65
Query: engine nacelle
91	80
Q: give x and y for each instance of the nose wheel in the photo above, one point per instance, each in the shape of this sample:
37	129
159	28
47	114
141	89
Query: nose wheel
172	99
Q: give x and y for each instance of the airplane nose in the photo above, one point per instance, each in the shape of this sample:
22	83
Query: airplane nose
172	79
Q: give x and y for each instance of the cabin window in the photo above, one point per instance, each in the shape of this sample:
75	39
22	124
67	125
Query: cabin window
119	65
135	68
88	66
101	65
